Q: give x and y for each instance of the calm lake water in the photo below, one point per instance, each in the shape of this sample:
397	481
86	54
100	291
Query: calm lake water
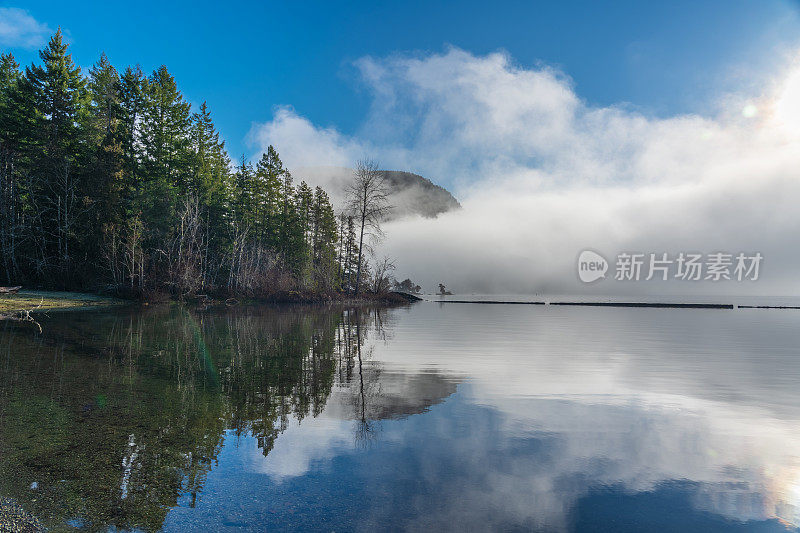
436	417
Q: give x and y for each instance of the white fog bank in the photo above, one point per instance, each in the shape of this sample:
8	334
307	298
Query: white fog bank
542	175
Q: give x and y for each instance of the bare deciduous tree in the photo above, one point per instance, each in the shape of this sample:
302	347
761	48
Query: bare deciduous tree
382	279
368	200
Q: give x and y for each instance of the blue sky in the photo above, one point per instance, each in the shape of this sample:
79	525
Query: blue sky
247	58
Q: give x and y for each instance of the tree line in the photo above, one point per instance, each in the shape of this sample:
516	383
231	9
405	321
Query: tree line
112	181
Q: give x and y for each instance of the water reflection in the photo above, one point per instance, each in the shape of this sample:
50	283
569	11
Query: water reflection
428	418
114	416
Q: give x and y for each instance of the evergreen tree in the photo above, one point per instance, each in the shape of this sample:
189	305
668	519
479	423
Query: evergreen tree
268	192
104	86
304	201
305	206
243	196
211	179
211	161
291	242
132	90
10	199
166	138
111	178
324	238
106	172
60	106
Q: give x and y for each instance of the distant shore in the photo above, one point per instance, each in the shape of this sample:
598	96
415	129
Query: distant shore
657	305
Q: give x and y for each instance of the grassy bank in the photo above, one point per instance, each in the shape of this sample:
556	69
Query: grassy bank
46	300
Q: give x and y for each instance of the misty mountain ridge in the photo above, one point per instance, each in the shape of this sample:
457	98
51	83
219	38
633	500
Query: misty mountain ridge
409	193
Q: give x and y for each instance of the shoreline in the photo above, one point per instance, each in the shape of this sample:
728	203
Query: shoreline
26	302
33	301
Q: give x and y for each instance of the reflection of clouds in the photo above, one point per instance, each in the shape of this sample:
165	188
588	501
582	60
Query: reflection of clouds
553	407
631	397
299	446
534	469
638	444
468	467
391	394
746	358
529	461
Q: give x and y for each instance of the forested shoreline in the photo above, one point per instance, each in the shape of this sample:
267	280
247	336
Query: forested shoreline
112	182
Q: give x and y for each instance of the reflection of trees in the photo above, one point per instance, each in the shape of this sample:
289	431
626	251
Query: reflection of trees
358	374
115	416
362	385
108	440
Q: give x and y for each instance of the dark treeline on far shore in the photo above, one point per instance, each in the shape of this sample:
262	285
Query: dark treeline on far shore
112	181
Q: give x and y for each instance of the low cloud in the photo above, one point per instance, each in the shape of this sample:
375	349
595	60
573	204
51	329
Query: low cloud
542	175
18	29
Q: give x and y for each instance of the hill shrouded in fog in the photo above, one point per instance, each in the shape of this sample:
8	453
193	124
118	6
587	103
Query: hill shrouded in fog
410	194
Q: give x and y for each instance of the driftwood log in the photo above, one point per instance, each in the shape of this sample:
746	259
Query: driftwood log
10	290
22	315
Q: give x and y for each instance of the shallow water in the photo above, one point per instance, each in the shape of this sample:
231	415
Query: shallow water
433	417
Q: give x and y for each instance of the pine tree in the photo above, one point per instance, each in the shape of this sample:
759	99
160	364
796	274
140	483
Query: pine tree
9	76
243	185
211	180
106	173
60	102
166	130
304	201
165	137
105	94
291	242
10	198
305	205
324	241
268	192
132	89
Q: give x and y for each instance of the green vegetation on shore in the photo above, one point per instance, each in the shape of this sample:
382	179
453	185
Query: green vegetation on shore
112	182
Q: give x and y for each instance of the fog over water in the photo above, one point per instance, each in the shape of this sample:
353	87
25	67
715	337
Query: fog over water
542	175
